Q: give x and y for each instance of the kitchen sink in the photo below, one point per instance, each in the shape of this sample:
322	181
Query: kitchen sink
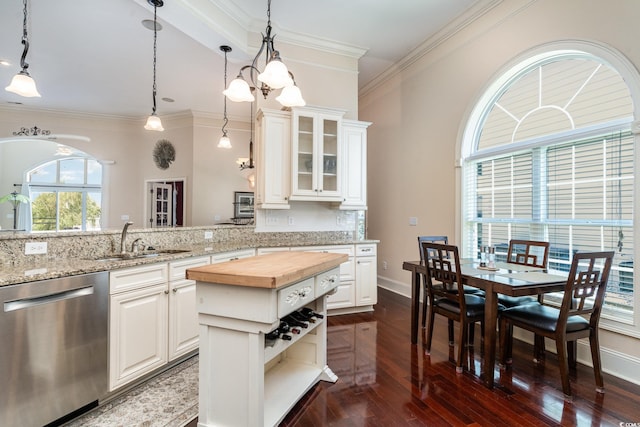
138	255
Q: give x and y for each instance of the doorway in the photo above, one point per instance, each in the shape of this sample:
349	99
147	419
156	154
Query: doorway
165	203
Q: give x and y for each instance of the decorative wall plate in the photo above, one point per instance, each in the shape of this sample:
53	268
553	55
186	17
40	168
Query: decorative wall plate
164	154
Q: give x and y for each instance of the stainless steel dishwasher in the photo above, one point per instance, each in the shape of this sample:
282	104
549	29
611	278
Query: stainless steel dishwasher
53	348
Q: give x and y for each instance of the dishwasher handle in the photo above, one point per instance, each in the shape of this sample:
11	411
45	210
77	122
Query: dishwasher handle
47	299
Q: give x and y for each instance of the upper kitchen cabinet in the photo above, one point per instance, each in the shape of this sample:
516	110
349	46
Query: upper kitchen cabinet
273	159
316	154
354	165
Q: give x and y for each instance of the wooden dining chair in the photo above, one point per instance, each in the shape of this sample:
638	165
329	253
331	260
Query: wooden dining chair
443	280
431	239
577	317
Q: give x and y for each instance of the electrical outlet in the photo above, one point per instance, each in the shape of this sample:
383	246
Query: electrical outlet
271	219
208	234
384	265
35	248
291	220
413	220
124	217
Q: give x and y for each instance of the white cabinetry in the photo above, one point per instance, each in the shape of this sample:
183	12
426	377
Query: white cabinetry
358	289
316	154
354	164
152	316
273	159
243	382
138	311
345	294
366	275
183	313
233	255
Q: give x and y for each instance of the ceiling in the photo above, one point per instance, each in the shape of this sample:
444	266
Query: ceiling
95	56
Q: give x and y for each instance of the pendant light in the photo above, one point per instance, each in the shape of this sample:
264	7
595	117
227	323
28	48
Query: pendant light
22	83
225	142
153	122
275	75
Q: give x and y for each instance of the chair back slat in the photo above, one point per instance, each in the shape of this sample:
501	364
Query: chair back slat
443	272
528	252
432	239
586	285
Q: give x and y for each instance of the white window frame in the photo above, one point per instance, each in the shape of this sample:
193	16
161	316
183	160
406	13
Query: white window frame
494	89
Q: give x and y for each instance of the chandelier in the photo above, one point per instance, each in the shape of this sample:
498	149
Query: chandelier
275	75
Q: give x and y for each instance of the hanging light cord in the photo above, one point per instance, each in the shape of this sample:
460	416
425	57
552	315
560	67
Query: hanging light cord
226	120
155	47
25	39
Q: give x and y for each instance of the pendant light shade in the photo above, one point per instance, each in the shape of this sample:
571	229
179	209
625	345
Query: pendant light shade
153	122
22	84
224	142
276	75
239	90
291	96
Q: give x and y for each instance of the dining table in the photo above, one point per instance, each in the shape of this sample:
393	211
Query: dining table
505	278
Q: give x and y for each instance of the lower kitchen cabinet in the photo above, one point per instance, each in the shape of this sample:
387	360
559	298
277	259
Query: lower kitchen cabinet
153	318
358	289
138	318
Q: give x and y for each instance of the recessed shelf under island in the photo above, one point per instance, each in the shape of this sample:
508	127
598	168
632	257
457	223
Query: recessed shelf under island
243	381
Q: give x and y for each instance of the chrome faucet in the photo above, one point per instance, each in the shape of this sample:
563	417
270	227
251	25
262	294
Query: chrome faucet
123	238
138	245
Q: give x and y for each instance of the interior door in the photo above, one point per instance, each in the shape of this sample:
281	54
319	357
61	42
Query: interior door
162	205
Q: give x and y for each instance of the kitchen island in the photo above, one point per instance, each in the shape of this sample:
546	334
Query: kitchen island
245	380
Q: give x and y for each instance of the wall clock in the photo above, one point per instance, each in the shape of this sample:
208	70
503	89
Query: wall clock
164	154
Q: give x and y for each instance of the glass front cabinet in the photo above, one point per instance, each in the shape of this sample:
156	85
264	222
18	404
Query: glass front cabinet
316	154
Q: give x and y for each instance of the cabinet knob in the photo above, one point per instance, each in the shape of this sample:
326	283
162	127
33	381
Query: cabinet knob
166	292
175	290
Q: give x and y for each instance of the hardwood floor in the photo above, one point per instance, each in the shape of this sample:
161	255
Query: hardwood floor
385	381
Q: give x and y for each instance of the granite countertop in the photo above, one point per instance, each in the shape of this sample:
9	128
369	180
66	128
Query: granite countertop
43	270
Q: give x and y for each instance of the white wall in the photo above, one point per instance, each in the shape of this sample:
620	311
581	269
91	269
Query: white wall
419	110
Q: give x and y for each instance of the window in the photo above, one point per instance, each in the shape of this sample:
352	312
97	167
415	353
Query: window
66	194
552	158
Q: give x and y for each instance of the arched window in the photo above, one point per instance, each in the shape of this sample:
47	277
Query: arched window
66	194
548	154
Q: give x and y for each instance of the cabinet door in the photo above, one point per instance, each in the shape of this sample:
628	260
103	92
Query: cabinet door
316	155
138	333
183	318
354	165
366	280
273	160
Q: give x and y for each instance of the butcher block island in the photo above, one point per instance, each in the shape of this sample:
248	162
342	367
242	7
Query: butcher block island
263	334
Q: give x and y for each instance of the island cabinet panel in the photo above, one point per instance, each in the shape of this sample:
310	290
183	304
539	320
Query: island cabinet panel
245	378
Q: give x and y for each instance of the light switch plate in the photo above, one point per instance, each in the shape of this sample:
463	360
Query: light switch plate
208	234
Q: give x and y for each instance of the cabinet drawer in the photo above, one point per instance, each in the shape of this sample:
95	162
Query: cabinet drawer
230	256
177	269
366	250
137	277
295	296
327	281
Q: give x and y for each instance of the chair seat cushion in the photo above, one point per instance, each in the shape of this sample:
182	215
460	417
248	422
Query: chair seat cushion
509	301
543	317
474	304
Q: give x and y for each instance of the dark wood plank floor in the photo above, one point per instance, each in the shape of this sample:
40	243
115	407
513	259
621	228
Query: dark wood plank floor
386	381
